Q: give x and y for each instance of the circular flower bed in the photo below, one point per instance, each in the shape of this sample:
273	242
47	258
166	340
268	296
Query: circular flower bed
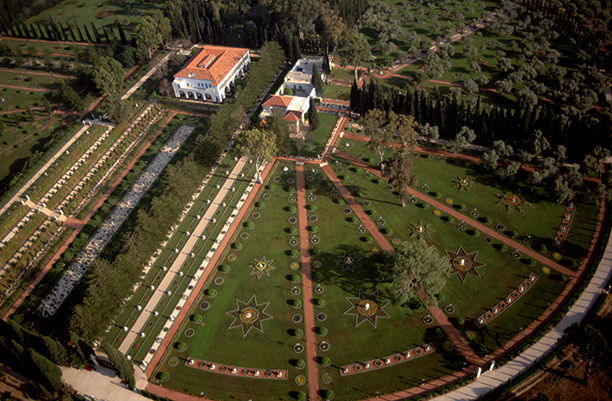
189	332
293	241
516	254
427	319
204	306
294	265
300	380
266	196
295	290
316	264
291	180
361	229
324	346
172	362
218	280
232	258
311	197
315	240
292	220
163	377
347	210
319	289
449	201
474	213
297	318
321	316
556	256
425	188
291	199
380	222
450	308
312	218
546	270
298	348
437	212
256	215
461	226
276	179
500	227
326	378
488	240
180	346
244	235
396	241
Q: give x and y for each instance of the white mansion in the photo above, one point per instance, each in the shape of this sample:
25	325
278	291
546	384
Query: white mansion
211	74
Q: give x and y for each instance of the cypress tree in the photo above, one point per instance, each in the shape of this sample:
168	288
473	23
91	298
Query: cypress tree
47	370
121	32
313	115
317	82
119	362
55	351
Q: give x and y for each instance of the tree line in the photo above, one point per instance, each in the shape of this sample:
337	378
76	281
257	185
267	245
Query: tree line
70	32
578	132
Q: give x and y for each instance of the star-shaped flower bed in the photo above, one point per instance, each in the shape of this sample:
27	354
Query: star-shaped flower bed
262	266
249	315
348	261
464	263
366	308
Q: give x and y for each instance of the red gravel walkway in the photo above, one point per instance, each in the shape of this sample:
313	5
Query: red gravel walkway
309	323
79	224
477	225
25	88
204	276
453	334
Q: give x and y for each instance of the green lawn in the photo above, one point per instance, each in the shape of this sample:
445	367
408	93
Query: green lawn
30	81
337	92
315	141
403	329
26	47
471	297
102	13
214	341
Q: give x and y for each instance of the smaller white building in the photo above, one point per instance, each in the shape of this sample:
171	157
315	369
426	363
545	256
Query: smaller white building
293	109
299	79
211	74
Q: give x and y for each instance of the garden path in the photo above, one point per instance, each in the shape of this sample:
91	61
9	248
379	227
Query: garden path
77	224
25	88
309	323
44	74
44	168
146	76
453	334
203	278
476	224
182	256
55	42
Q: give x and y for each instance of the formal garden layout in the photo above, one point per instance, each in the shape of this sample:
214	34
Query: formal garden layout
392	199
247	330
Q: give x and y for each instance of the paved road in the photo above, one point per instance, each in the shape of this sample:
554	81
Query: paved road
43	169
146	76
102	384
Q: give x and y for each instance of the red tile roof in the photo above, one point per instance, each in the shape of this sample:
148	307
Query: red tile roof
277	101
213	63
293	116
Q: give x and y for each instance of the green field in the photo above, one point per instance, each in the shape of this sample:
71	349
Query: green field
99	12
337	92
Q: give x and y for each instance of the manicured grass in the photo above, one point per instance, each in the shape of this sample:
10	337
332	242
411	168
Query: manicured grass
316	140
439	175
30	81
27	47
401	331
82	12
337	92
342	74
215	342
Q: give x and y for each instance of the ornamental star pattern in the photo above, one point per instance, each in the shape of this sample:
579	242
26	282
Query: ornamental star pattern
248	315
463	263
348	261
261	267
366	308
